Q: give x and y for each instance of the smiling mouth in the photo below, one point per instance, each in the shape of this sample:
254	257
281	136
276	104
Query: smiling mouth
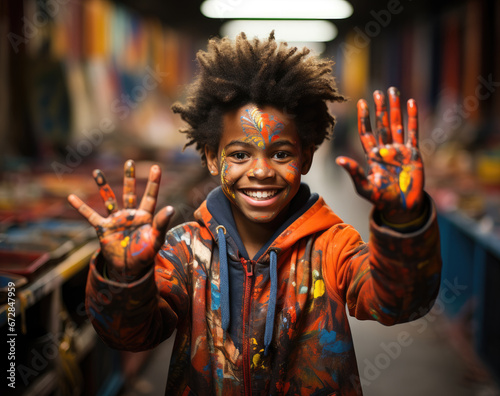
260	194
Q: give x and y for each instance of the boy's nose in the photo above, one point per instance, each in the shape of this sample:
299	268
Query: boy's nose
261	170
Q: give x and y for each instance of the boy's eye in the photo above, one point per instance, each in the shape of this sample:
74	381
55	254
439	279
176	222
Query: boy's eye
280	155
240	156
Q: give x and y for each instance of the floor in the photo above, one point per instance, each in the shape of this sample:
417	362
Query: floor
404	360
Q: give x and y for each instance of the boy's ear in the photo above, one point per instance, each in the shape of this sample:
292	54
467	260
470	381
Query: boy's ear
211	156
307	159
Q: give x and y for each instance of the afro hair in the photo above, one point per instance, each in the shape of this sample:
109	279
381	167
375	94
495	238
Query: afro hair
261	72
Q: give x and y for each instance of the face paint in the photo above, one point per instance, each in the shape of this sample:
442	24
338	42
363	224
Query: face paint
260	162
292	172
261	128
251	172
259	168
225	181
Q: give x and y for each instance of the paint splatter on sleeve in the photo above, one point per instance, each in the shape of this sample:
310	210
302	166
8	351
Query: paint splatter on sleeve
392	279
139	315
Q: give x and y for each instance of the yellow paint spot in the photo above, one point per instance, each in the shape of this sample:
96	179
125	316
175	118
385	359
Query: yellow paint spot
257	117
383	152
111	206
256	359
404	178
254	341
125	241
319	288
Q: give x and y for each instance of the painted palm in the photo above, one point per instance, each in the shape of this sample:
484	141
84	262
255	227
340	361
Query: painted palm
129	237
395	180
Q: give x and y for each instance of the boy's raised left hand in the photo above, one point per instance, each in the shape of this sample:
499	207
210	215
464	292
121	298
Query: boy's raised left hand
129	237
395	182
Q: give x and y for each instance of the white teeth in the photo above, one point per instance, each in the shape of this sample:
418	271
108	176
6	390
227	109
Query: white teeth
261	194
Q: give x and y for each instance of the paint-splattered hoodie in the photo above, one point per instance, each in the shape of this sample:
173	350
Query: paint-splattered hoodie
274	324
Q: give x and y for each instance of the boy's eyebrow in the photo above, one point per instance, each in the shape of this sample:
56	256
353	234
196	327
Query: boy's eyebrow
278	143
284	142
237	143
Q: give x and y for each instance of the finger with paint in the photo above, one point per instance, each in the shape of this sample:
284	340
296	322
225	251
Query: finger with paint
107	194
129	196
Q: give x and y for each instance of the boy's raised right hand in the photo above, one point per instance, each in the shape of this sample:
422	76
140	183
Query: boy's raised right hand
131	237
395	182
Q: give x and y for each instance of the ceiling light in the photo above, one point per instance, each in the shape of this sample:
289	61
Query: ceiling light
297	31
316	48
276	9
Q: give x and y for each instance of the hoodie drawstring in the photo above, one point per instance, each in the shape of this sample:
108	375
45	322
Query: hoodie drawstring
224	289
271	307
224	278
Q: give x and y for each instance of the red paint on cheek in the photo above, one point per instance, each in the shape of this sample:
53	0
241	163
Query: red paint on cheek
292	172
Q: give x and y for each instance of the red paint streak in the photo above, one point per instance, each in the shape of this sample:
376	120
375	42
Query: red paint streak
247	380
265	124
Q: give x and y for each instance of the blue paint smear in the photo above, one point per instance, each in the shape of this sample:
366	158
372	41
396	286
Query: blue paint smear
220	373
97	316
328	342
386	310
201	273
144	246
403	200
327	337
215	298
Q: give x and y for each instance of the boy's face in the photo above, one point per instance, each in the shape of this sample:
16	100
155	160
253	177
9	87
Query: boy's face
260	161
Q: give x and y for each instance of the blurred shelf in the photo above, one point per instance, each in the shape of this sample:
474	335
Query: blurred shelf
471	275
50	280
472	229
48	381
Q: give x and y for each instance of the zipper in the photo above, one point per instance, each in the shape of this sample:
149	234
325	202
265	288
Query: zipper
247	380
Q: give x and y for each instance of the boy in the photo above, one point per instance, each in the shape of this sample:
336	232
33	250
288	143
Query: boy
257	286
